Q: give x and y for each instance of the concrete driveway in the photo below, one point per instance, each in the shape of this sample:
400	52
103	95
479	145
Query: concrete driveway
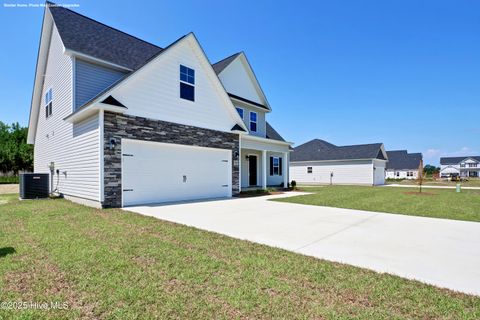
445	253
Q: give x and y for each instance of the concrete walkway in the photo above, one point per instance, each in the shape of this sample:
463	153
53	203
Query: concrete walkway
428	187
445	253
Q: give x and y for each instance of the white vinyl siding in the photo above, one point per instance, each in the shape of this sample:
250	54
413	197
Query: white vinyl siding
91	79
74	149
344	172
237	81
402	174
154	91
261	125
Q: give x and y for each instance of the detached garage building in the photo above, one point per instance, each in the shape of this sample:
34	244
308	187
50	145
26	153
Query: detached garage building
320	162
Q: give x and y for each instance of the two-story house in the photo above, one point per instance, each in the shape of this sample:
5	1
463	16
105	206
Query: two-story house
118	121
468	166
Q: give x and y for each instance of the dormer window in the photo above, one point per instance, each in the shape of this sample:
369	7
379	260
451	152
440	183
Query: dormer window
253	121
48	103
187	83
240	112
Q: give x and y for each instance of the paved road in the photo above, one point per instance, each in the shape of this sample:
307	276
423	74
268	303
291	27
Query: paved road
441	252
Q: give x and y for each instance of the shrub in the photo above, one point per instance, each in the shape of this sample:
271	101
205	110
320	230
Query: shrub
293	184
8	179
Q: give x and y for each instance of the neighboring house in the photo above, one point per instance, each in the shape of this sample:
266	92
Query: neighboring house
402	165
468	166
120	121
320	162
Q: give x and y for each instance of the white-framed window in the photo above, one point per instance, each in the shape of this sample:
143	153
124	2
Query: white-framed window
309	169
462	165
276	166
240	111
409	174
48	102
187	83
253	121
397	174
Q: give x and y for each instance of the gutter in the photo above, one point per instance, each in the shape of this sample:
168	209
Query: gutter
260	139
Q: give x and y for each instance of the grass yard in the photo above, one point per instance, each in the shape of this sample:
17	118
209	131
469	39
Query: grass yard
434	203
473	182
115	264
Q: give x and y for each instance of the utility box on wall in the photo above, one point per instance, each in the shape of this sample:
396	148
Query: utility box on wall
34	185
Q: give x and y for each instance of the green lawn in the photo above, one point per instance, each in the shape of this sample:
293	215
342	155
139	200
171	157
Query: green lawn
473	182
435	203
119	265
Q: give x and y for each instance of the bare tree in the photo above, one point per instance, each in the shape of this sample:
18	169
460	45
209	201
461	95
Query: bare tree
420	175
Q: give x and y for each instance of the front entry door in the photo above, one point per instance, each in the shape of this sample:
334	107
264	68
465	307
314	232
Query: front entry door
252	170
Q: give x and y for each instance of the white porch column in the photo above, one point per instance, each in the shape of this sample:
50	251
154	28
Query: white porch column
264	169
285	169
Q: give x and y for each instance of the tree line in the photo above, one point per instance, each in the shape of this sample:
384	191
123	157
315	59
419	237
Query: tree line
15	154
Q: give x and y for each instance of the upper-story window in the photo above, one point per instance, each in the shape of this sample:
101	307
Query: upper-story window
253	121
462	165
240	111
48	103
472	165
187	83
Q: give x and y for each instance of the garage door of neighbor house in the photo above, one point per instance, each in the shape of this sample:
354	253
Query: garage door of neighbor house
155	172
379	176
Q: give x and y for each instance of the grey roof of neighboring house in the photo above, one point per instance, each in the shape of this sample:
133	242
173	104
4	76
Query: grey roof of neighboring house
222	64
401	159
90	37
320	150
456	160
272	133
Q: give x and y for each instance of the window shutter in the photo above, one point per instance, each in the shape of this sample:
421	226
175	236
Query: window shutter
271	166
279	166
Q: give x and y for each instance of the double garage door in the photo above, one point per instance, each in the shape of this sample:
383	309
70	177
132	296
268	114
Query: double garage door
155	172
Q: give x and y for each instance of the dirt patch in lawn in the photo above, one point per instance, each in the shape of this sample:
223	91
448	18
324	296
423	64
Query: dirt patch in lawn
8	188
416	193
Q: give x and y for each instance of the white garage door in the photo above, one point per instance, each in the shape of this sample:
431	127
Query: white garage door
155	172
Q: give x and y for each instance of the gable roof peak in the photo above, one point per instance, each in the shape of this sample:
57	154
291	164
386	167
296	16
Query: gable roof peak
219	66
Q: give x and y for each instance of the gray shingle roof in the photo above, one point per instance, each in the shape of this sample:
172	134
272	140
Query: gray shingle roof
401	159
85	35
320	150
90	37
231	95
456	160
272	133
222	64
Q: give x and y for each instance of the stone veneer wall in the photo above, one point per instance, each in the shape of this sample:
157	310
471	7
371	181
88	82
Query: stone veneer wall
120	126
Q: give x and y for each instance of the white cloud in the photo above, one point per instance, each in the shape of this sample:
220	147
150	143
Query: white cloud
432	153
435	154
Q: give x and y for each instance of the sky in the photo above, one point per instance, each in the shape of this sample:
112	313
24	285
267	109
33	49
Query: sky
402	72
